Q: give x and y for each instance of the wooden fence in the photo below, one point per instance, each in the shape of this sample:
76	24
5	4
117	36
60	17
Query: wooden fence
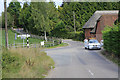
47	44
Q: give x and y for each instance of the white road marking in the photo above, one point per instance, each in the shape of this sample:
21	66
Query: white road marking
91	72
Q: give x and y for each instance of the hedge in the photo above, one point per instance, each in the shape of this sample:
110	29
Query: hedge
79	36
111	37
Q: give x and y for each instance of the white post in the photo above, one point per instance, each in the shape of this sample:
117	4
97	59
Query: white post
23	43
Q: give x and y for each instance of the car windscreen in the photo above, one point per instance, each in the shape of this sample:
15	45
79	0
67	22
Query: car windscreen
93	41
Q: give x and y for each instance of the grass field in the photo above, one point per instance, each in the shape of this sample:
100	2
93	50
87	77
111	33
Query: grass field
11	39
25	63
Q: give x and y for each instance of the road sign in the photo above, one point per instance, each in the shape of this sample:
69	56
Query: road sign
42	43
24	36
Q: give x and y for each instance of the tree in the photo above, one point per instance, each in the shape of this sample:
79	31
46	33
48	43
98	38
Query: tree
14	10
45	17
119	13
24	16
83	11
9	20
59	31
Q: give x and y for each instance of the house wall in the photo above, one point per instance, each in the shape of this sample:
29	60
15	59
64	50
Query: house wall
105	20
98	30
87	33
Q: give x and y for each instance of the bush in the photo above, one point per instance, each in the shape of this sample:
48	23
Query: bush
112	39
79	36
59	30
11	63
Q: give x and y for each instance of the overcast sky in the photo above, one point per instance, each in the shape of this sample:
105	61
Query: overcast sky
57	2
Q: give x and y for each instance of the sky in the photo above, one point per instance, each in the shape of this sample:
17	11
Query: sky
57	2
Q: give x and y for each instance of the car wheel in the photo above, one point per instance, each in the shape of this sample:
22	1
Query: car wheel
99	48
85	48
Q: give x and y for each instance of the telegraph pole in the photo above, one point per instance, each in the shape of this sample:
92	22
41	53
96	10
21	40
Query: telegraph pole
6	32
74	21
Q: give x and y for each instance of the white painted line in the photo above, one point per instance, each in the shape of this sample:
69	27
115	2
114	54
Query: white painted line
91	73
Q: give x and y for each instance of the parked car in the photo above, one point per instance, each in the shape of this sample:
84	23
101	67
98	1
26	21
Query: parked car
92	44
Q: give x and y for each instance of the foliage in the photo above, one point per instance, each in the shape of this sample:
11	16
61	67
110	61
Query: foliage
43	18
14	10
11	63
11	38
83	11
9	20
25	63
59	30
24	17
79	36
111	39
119	13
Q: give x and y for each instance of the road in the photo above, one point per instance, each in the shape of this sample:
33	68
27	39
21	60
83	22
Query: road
74	61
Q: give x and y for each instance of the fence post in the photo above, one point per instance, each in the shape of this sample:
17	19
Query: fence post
53	42
27	43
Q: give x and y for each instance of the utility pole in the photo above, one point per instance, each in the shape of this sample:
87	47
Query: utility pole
6	32
74	21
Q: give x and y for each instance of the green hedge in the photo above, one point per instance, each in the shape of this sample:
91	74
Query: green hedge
111	37
79	36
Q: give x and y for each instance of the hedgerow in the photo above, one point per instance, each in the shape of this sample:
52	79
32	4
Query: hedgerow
111	37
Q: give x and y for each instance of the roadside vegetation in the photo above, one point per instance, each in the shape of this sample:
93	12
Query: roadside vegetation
25	63
111	43
11	38
44	19
58	46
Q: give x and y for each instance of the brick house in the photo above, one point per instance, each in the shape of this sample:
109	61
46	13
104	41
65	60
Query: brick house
100	19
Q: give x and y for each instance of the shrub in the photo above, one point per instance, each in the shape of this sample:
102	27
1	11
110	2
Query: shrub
112	39
79	36
59	30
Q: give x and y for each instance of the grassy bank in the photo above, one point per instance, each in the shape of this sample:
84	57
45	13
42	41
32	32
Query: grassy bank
11	38
60	45
111	57
25	63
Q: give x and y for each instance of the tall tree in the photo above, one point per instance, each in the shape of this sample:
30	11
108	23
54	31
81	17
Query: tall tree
14	10
119	12
24	16
83	11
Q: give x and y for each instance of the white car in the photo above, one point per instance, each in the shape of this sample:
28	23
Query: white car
92	44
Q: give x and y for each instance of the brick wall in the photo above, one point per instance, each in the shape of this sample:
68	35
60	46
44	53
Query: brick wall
105	20
87	33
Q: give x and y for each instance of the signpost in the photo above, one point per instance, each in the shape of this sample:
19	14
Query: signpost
42	43
24	36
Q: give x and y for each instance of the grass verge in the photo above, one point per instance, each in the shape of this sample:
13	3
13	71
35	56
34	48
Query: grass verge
60	45
11	38
25	63
111	57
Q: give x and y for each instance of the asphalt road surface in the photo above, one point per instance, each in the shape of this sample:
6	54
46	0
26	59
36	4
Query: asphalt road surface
74	61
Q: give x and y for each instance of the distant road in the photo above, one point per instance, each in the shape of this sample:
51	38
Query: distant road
74	61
